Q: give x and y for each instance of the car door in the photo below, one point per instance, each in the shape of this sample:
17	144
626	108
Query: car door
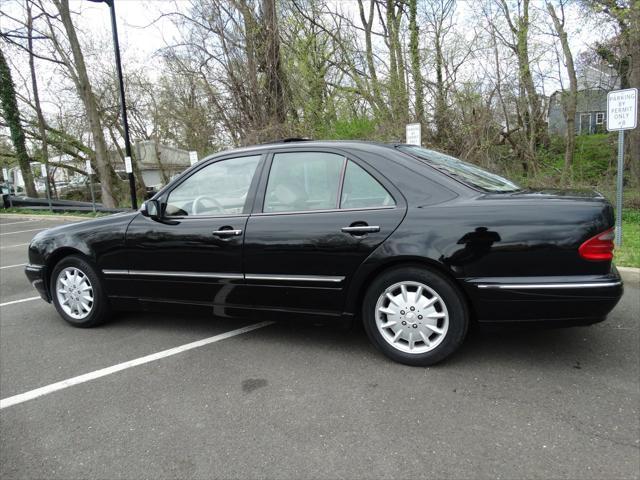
317	217
193	253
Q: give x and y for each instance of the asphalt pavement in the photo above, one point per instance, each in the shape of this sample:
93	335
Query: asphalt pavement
308	401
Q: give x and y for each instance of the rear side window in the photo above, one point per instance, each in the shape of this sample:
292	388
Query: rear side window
361	190
302	181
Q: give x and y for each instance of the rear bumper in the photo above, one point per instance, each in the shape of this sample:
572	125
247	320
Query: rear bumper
571	300
36	276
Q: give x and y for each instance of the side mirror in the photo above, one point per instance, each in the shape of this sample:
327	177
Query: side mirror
151	209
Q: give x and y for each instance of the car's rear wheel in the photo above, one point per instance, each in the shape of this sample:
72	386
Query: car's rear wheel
415	316
77	292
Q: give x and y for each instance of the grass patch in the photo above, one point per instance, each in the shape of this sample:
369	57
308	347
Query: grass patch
628	254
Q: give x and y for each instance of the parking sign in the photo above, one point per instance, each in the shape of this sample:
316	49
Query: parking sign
622	109
414	134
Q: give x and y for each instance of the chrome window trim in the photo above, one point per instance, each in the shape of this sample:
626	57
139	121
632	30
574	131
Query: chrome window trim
333	210
528	286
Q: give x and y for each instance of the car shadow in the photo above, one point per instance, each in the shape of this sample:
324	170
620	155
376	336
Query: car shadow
483	345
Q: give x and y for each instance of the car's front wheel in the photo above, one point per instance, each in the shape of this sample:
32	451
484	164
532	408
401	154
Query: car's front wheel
415	316
77	292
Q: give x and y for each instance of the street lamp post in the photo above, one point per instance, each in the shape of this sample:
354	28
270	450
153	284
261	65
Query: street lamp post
123	105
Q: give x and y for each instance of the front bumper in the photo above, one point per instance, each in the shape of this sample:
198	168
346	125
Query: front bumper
36	276
571	300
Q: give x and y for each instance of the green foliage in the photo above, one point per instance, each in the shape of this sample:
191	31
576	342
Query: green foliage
628	254
353	129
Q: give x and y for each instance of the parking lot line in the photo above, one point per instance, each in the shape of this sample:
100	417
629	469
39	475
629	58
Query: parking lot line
19	301
16	223
23	231
13	246
54	387
13	266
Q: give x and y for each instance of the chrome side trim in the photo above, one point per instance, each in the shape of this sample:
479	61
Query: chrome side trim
115	272
34	268
232	276
527	286
157	273
294	278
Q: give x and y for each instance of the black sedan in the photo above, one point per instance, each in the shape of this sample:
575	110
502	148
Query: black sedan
414	243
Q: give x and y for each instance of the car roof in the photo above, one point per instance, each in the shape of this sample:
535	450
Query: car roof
307	143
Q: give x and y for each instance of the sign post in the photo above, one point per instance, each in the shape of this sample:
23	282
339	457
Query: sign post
89	170
414	134
5	174
45	175
622	114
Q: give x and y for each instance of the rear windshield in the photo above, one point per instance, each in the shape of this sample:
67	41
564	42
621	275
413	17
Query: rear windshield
465	172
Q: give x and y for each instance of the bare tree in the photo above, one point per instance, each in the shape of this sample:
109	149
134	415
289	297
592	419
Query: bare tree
570	98
77	70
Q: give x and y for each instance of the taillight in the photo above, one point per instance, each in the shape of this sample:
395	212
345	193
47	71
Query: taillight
598	248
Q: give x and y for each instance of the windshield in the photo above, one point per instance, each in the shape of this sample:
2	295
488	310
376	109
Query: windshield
463	171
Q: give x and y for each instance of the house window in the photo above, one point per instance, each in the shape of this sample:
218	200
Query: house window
599	118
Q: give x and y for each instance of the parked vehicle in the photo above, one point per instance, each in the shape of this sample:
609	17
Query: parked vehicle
414	243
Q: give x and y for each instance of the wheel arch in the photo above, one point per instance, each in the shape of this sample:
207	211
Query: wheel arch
55	257
355	299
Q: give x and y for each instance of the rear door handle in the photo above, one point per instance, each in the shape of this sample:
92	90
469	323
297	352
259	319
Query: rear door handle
227	233
360	229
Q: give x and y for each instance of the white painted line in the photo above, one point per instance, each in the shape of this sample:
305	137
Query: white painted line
54	387
19	301
23	231
13	266
13	246
15	223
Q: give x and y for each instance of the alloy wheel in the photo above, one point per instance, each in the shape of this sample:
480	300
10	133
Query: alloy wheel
75	293
412	317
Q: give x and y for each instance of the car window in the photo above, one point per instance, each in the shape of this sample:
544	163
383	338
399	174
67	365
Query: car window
463	171
218	189
361	190
303	181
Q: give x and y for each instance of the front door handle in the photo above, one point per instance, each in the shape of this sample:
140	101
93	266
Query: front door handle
227	233
361	229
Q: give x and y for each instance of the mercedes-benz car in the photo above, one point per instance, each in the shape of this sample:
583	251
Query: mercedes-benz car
415	244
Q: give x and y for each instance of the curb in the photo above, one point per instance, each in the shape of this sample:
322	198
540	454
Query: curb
630	273
45	217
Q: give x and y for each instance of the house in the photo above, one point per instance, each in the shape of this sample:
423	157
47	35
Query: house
591	111
158	163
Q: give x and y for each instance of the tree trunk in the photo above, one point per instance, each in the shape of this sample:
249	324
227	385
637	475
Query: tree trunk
414	52
83	85
273	64
633	51
36	97
12	116
367	24
570	98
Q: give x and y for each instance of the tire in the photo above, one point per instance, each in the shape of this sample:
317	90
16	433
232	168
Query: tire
86	289
433	330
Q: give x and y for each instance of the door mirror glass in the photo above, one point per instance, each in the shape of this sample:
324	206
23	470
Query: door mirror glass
220	188
361	190
151	209
303	181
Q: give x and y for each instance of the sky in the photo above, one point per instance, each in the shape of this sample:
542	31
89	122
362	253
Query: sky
144	28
